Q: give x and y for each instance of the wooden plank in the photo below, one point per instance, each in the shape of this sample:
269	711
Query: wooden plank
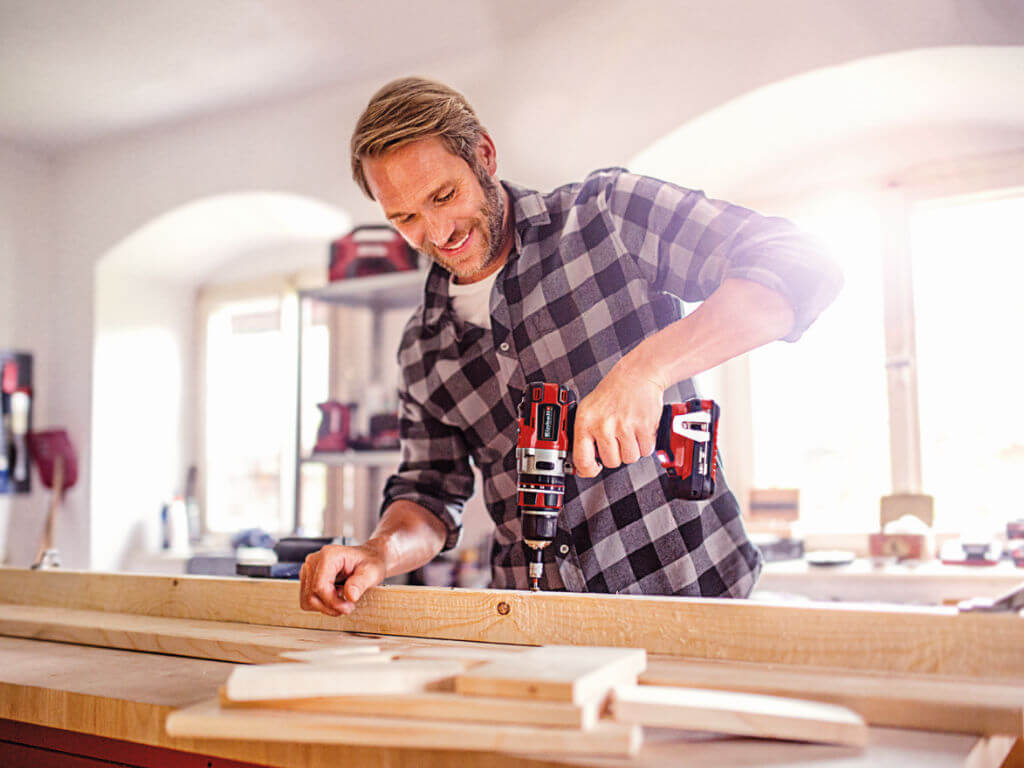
208	720
926	702
126	695
344	655
738	714
439	706
556	673
224	641
899	639
297	681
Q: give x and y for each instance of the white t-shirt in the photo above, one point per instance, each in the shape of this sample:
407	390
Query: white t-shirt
471	302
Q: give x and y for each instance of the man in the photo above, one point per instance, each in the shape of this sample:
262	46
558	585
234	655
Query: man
582	287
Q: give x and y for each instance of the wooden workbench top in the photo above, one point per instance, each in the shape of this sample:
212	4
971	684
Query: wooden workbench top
109	675
127	695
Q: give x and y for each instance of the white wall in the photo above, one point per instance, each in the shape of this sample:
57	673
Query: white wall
143	396
589	89
26	302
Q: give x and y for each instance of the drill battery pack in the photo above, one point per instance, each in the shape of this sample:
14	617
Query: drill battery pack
686	446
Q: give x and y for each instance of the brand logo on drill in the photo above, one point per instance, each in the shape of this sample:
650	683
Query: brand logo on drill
549	422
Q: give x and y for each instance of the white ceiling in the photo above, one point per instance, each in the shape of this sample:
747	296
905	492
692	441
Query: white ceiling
71	71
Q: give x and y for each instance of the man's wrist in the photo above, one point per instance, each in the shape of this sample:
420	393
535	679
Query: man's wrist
642	364
382	546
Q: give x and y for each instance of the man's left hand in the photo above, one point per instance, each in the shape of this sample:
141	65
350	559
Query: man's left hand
618	421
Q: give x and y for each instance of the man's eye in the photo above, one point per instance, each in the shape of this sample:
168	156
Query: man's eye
446	196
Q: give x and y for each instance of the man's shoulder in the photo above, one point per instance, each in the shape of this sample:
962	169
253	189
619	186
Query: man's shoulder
598	188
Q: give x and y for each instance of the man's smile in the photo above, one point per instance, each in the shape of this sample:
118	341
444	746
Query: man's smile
458	247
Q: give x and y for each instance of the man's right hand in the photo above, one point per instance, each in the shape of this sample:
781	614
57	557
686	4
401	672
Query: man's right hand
358	567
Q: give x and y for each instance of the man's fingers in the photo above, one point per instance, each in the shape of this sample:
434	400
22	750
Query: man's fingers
584	458
629	449
329	565
646	443
316	604
608	450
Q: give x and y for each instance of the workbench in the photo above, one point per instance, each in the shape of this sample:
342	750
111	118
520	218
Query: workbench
86	667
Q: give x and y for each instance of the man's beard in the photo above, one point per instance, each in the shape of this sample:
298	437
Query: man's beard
491	222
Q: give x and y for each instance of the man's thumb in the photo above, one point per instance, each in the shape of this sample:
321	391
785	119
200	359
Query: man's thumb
360	581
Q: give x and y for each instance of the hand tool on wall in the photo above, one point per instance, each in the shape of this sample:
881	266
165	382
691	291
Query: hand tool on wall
58	469
21	403
8	383
686	446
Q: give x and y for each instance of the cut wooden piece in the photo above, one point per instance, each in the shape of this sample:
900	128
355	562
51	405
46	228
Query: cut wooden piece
904	639
208	720
740	714
440	706
345	654
219	640
576	674
295	681
926	702
464	652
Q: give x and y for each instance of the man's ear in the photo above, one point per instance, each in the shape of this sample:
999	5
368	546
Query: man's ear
487	154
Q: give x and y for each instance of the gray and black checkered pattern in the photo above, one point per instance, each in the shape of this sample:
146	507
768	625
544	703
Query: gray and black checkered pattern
596	268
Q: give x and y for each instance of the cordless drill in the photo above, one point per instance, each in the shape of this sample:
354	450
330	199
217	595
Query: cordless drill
686	446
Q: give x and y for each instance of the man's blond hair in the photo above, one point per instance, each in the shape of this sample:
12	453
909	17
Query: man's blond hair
412	108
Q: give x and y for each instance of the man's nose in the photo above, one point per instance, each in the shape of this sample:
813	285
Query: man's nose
439	229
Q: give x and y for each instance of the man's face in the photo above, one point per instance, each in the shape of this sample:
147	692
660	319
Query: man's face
443	208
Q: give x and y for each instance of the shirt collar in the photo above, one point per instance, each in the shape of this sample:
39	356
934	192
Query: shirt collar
528	209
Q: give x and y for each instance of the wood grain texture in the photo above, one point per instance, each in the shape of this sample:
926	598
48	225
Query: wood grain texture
120	694
925	702
439	706
224	641
900	639
556	673
738	714
209	720
298	681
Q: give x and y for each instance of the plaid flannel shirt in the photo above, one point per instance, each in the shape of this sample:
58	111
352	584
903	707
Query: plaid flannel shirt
596	268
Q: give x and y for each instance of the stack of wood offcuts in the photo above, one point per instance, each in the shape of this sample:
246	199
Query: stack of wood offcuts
553	700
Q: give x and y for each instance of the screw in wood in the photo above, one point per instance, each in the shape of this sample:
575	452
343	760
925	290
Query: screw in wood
504	608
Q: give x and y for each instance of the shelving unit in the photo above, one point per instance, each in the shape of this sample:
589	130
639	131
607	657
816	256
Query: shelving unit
377	294
354	458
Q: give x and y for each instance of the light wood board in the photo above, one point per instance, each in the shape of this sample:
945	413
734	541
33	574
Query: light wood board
926	702
298	681
221	640
738	714
900	639
439	706
209	720
556	673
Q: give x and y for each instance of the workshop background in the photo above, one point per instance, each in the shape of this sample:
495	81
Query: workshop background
171	176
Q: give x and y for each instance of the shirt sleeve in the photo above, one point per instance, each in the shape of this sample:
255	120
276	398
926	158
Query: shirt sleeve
687	244
434	471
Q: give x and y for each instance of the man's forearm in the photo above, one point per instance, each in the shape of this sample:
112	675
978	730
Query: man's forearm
739	316
407	537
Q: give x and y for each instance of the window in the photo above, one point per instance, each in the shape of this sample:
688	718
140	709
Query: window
820	420
968	270
250	409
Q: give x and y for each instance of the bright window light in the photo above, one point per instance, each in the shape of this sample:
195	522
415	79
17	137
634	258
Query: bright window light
968	263
249	386
820	418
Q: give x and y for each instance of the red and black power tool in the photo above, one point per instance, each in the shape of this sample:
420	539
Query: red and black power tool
374	249
686	445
